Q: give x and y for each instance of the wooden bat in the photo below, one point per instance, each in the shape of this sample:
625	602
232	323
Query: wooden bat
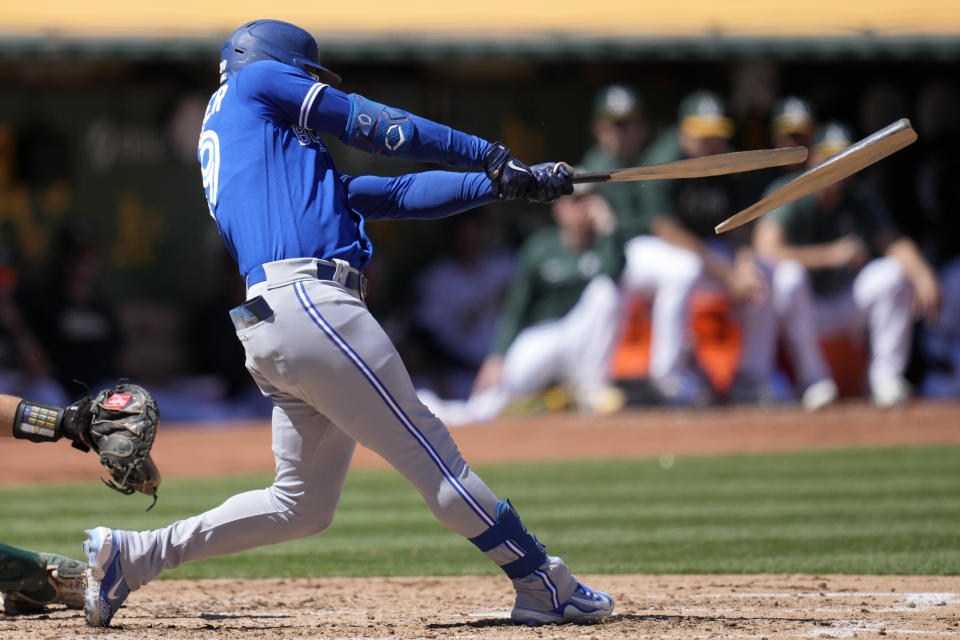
714	165
871	149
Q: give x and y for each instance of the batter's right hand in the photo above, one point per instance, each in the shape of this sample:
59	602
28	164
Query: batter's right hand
511	179
554	179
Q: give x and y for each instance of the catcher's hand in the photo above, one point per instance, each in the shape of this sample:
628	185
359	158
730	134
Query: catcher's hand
120	424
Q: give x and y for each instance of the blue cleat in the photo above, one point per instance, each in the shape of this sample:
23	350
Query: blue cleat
584	605
106	588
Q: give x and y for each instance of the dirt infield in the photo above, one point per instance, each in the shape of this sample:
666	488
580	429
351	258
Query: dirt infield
684	607
680	607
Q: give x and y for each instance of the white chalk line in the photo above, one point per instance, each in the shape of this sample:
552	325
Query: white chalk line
920	601
914	601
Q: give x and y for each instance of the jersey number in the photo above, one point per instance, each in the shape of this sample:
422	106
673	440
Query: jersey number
208	151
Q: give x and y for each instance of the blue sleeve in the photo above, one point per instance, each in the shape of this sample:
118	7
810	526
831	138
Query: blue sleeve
426	195
277	92
376	128
285	94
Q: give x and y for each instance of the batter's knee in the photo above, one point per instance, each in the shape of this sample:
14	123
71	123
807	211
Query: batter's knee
300	524
302	515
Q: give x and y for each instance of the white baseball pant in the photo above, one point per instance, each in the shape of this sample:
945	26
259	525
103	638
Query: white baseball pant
655	267
574	350
880	299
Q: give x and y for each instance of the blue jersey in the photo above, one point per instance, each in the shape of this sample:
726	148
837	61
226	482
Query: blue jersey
274	190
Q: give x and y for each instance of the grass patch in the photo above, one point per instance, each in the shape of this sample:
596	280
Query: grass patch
864	511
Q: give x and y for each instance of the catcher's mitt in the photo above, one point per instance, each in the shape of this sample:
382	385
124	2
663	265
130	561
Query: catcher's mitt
120	424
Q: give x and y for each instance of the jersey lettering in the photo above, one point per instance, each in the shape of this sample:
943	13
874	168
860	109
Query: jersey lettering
306	137
216	100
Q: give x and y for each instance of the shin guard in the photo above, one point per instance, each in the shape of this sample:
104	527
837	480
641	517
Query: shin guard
509	540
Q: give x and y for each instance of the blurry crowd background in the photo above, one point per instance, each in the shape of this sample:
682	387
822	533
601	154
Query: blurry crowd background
111	266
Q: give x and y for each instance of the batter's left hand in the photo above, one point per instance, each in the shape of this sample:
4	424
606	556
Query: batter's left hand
510	178
553	179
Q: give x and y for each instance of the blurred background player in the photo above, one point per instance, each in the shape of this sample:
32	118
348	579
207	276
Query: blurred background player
459	298
934	167
842	264
619	131
684	253
78	327
25	366
31	581
791	124
560	318
940	342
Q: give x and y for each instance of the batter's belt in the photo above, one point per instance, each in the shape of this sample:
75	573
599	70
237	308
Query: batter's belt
285	272
326	270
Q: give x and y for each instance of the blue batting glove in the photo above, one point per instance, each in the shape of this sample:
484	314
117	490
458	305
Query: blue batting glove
553	179
511	179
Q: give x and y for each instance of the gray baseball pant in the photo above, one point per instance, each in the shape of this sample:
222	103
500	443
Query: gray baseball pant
335	379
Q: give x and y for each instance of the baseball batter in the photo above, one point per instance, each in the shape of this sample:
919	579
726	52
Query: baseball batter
296	227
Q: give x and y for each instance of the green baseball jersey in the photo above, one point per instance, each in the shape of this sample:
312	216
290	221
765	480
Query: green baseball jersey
699	204
549	279
860	214
624	198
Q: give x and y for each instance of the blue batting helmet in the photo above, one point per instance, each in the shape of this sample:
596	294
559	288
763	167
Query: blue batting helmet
272	40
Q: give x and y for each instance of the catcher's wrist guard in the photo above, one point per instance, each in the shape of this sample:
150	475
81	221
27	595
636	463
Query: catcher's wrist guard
44	423
38	422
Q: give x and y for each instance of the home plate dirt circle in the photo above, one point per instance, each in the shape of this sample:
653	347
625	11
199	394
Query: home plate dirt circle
680	607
